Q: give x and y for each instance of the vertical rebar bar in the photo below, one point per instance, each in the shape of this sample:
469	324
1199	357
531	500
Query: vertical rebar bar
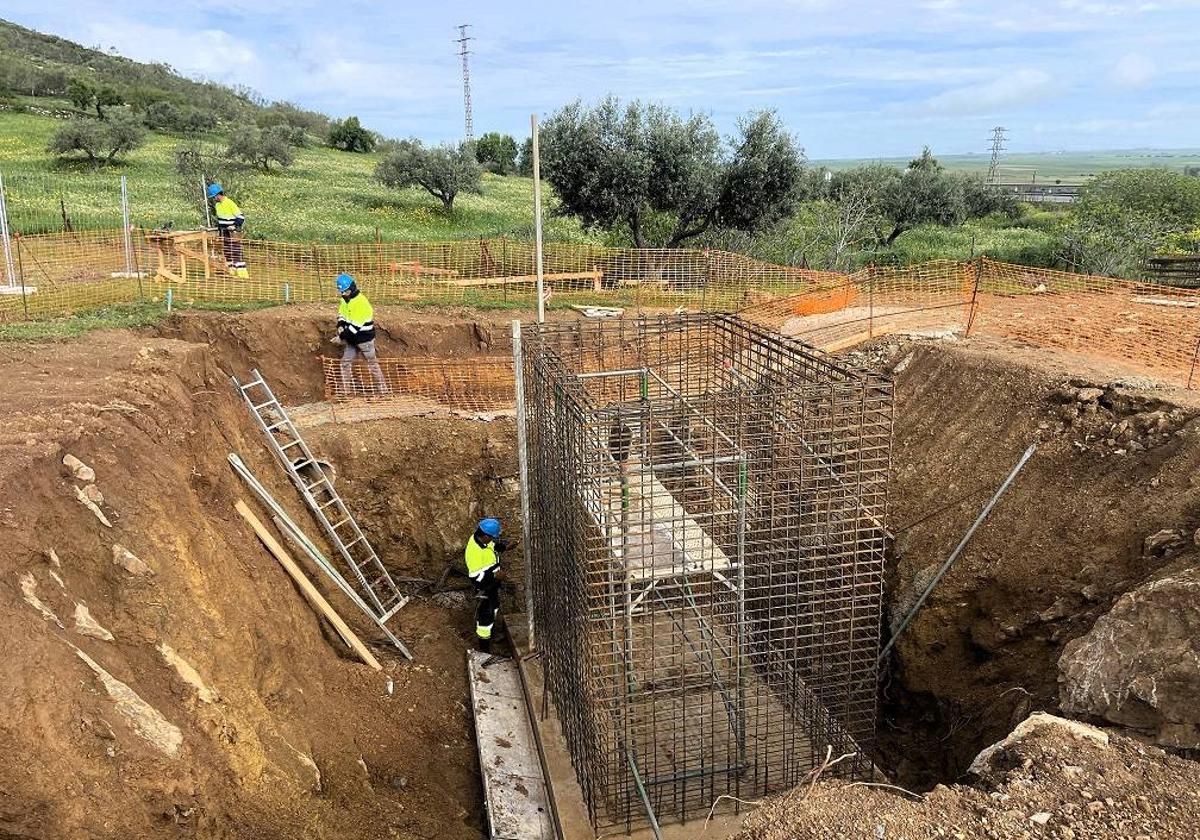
126	236
523	470
10	273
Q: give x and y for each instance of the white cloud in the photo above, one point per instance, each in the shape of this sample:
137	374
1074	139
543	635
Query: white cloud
1133	71
1018	88
212	53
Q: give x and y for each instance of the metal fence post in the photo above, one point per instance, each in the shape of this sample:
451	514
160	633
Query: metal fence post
125	228
10	273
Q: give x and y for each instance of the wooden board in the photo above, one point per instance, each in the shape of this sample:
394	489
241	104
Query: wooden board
513	786
660	539
594	276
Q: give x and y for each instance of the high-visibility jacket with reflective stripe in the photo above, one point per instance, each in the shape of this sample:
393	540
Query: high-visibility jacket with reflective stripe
356	320
229	215
480	558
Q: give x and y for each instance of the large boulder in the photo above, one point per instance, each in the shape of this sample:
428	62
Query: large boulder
1139	667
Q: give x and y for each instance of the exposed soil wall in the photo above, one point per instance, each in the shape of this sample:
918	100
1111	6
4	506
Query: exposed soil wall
1114	466
265	729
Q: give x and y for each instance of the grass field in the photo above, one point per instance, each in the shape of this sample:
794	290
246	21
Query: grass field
327	195
1067	167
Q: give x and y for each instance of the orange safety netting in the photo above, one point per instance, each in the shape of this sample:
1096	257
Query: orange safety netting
1149	328
466	383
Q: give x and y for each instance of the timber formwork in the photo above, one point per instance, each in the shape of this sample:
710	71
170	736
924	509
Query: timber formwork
707	504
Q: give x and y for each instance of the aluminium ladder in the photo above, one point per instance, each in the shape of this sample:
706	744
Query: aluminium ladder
376	586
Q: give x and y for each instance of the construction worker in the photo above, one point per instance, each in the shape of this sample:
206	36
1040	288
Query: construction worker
229	224
483	567
356	334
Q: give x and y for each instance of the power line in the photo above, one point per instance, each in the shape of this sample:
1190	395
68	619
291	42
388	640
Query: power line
469	121
998	137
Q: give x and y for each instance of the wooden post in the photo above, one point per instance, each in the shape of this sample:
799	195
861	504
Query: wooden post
537	217
310	592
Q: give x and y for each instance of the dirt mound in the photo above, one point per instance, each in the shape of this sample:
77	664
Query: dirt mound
1050	783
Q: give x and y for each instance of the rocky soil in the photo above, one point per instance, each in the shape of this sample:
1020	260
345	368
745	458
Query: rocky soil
1052	779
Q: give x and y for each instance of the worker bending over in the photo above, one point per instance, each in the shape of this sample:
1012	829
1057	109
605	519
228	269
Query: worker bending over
356	334
229	224
483	567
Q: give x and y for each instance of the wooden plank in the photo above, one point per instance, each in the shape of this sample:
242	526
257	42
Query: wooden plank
513	785
594	276
310	592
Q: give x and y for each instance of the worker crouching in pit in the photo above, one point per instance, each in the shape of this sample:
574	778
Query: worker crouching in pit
229	224
356	334
484	548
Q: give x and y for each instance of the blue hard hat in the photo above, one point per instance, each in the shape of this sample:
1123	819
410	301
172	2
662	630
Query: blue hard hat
344	282
491	527
214	190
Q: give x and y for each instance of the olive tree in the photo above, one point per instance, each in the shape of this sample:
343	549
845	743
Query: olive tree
663	178
100	142
442	171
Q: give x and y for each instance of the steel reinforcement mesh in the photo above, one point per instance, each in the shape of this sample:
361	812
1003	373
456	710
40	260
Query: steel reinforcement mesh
707	505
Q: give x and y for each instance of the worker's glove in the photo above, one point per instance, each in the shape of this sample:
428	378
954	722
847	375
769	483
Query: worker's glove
336	341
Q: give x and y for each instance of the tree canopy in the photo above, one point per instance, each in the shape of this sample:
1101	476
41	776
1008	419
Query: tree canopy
349	136
663	177
497	152
443	171
259	148
100	142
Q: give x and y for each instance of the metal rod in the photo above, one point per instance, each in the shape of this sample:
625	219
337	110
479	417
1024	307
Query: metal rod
537	217
983	514
523	468
125	227
641	789
9	271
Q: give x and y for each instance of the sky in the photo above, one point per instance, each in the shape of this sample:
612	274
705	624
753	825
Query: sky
851	78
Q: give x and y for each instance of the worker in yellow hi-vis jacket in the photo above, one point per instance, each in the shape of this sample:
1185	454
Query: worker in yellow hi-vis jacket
229	225
483	567
356	334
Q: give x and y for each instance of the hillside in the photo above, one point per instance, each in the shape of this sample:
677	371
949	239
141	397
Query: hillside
327	195
41	66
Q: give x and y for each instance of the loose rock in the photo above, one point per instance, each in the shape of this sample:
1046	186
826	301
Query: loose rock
85	625
129	561
78	469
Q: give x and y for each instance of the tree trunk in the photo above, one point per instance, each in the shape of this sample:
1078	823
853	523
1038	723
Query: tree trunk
447	202
635	227
894	235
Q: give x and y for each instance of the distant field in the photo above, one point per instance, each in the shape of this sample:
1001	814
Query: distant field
326	195
1067	167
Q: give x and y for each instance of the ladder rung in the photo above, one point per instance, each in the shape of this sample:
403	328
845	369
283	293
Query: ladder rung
278	425
299	465
289	445
309	487
261	406
399	606
352	542
332	501
343	522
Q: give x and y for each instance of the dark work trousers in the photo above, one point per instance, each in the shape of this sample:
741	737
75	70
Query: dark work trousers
487	591
231	247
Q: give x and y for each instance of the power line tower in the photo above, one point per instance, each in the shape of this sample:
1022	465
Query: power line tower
466	70
998	138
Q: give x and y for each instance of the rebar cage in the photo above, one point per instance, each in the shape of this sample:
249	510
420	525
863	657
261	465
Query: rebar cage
707	505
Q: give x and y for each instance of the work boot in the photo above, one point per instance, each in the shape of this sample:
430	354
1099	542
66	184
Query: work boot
485	645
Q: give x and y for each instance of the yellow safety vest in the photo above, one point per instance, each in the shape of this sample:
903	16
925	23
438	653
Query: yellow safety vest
480	558
227	212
